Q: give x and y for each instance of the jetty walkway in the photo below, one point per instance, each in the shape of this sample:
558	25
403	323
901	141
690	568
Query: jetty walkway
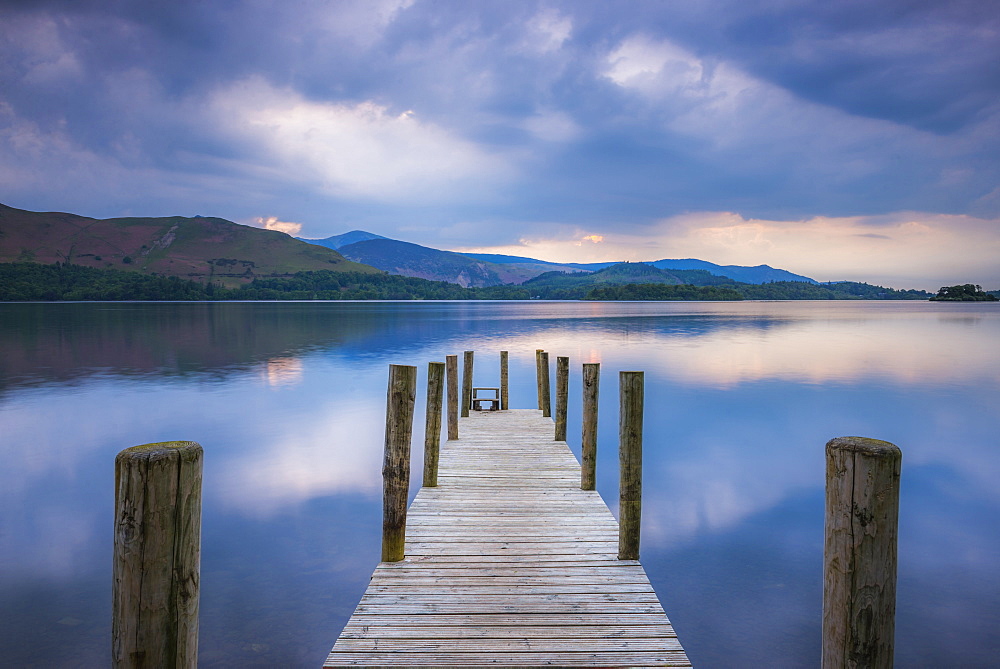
509	563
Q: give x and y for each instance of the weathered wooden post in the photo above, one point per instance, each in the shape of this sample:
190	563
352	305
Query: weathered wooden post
432	424
859	557
400	394
545	387
467	383
591	391
157	556
630	463
451	363
562	396
538	375
503	380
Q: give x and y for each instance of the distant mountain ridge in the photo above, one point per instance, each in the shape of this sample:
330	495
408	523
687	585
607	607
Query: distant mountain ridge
199	248
758	274
338	241
406	259
492	269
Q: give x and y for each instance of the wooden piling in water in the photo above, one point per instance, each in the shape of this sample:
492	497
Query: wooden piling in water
451	365
467	383
562	396
538	375
545	387
859	557
432	424
400	395
630	463
157	556
588	441
503	381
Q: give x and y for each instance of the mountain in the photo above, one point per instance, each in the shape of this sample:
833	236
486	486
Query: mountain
620	273
408	259
532	264
199	248
338	241
757	274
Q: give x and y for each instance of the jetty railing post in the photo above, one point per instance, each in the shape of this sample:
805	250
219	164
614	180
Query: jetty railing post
467	383
562	396
859	556
591	392
451	364
157	555
400	395
544	386
432	425
538	375
503	381
630	463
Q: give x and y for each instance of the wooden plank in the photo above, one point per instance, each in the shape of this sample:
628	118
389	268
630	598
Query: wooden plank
508	562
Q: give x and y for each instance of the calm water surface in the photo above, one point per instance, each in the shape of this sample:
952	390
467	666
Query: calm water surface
288	401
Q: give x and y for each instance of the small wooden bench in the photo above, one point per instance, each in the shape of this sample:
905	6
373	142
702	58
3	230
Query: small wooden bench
494	402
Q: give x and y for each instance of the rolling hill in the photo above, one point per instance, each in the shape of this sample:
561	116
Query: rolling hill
741	273
338	241
408	259
199	248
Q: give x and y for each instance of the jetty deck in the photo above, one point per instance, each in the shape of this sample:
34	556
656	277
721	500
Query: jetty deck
509	563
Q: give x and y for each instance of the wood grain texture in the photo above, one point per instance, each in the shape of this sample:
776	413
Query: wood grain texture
544	386
451	367
501	573
630	463
588	441
467	365
400	396
538	375
859	558
157	555
504	381
432	423
562	396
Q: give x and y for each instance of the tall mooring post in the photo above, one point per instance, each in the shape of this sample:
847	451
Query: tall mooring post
157	556
630	463
467	383
432	424
538	375
591	392
562	396
400	396
451	365
859	556
544	390
503	381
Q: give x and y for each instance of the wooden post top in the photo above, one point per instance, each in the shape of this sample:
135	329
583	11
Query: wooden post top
864	446
186	450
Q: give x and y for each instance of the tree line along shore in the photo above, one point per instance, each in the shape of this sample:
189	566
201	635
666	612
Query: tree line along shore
26	281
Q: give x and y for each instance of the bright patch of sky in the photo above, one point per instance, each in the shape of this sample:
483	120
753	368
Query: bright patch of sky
834	139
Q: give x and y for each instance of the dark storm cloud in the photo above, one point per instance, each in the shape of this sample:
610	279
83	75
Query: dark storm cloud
436	114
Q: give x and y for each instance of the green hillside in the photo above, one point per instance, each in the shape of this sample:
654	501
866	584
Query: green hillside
200	248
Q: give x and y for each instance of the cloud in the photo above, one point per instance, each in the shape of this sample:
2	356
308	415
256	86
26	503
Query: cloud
358	150
899	250
272	223
402	115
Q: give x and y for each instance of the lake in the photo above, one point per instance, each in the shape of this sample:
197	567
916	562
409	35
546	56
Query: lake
287	400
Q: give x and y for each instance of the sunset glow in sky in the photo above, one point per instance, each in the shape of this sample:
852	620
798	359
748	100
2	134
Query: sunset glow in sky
836	139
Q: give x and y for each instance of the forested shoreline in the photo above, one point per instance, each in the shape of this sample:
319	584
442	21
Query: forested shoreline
27	281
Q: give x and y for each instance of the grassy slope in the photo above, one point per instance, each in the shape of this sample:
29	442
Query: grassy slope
196	248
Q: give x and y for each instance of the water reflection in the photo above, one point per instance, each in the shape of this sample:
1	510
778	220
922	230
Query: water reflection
288	401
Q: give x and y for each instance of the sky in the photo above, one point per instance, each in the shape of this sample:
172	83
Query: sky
838	139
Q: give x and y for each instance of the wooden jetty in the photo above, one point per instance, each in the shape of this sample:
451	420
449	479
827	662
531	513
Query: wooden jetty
508	562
